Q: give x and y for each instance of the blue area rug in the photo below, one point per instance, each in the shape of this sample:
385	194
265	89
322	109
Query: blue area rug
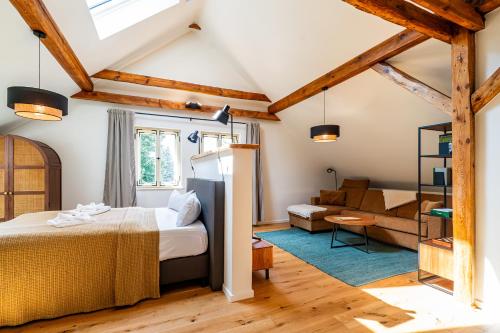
347	264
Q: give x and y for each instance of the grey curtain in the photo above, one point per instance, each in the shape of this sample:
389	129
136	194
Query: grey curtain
120	182
253	136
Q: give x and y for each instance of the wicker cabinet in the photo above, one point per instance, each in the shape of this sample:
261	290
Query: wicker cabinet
30	177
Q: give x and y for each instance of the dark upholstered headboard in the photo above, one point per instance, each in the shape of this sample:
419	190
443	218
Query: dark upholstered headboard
211	196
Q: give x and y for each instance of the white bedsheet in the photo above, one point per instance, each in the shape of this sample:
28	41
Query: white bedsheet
176	242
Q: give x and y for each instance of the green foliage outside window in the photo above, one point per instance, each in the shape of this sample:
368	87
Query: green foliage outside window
167	161
148	158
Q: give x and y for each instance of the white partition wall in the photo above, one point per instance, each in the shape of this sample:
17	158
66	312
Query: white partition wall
235	167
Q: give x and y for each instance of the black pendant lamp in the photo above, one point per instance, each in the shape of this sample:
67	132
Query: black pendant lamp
36	103
325	133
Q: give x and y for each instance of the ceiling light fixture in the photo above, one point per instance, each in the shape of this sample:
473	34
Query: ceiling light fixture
194	137
325	133
193	105
36	103
223	116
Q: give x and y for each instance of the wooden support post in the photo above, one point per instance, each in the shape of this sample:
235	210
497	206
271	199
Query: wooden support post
463	62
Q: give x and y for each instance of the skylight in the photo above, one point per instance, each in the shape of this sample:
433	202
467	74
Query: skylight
112	16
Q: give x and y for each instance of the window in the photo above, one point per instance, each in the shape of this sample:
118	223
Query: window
214	141
157	157
112	16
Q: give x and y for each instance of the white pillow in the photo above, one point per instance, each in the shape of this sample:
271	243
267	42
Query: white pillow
189	212
177	200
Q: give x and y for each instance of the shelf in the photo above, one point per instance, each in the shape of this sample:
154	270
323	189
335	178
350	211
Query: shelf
441	217
436	156
444	127
439	283
434	185
442	243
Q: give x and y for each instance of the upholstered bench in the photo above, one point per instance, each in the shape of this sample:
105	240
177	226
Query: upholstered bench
312	220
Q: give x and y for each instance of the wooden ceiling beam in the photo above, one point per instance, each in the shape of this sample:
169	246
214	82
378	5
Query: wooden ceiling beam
407	15
486	92
150	81
488	6
164	104
38	17
456	11
434	97
383	51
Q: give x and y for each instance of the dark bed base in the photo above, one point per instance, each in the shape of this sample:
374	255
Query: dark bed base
184	269
209	265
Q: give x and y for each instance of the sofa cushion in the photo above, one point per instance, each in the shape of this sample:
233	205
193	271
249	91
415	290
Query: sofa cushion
374	202
353	196
356	183
407	211
409	226
327	197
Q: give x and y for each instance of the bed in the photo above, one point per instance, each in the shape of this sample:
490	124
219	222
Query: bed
209	265
119	259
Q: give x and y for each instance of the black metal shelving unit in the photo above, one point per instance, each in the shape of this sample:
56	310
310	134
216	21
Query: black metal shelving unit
444	128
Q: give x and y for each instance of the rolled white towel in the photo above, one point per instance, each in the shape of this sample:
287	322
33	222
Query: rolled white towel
63	220
91	209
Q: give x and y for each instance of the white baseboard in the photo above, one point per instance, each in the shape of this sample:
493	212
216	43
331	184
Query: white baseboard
238	296
273	222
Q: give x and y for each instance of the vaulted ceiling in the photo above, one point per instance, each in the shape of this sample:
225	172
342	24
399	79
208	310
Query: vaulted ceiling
278	45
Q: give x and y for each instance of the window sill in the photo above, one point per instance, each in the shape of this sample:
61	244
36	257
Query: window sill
158	188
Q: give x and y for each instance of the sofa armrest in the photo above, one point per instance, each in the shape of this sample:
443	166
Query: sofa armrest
314	201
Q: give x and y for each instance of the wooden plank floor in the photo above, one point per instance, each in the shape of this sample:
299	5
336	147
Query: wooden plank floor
297	298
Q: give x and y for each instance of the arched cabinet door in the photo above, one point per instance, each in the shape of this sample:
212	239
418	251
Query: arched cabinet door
30	177
3	179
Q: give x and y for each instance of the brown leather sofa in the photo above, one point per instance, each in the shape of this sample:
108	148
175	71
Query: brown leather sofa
396	226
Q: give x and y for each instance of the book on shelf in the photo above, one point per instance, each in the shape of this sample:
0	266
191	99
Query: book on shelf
442	212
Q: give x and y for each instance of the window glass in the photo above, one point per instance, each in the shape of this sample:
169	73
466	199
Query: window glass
147	156
158	157
214	141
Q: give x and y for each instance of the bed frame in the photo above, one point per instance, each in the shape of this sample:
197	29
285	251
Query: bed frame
209	265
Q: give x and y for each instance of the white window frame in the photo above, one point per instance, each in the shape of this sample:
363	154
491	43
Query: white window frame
219	135
158	132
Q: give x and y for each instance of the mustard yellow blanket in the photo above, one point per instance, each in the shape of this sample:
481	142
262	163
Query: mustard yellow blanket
47	272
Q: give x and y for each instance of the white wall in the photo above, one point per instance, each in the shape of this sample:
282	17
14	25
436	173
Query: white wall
487	171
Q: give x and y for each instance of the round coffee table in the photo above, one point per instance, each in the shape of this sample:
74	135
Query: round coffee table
337	220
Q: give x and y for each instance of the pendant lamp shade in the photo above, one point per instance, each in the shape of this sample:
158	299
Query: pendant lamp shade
325	133
36	103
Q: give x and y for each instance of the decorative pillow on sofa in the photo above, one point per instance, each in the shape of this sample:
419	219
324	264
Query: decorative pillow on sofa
336	198
426	207
353	196
356	183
